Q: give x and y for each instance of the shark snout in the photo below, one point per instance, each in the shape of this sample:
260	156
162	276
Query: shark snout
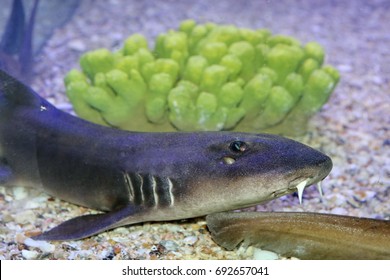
314	172
325	165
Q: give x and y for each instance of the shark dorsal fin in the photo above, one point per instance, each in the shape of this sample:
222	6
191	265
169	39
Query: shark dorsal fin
16	92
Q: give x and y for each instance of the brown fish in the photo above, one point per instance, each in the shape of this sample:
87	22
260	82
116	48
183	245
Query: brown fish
303	235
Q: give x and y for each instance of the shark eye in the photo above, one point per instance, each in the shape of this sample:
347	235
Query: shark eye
238	146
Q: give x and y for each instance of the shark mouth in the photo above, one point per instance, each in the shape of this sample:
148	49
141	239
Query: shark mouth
302	185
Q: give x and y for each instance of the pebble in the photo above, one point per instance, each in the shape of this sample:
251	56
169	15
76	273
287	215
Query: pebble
24	217
44	246
339	211
170	245
35	203
29	255
19	193
344	68
364	196
6	217
190	240
77	45
264	255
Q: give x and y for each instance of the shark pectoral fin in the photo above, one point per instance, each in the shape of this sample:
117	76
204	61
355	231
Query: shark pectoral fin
5	173
88	225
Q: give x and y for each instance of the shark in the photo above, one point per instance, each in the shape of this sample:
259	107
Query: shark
136	177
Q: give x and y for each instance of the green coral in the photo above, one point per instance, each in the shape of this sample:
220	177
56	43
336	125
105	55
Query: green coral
204	77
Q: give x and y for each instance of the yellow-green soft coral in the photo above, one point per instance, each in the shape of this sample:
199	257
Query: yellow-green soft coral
204	77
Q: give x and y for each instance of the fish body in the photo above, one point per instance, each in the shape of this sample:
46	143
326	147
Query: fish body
137	177
303	235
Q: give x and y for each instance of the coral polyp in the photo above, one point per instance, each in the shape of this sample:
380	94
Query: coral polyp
204	77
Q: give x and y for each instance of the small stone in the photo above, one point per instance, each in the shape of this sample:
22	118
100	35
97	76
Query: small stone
42	245
24	217
364	196
32	232
344	68
35	202
29	255
169	245
190	240
6	217
19	193
77	45
175	228
20	238
117	250
135	234
264	255
339	211
142	251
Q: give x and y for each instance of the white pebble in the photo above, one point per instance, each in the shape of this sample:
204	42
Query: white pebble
344	68
42	245
175	228
135	234
264	255
19	193
169	245
142	251
29	255
77	45
35	202
190	240
339	211
24	217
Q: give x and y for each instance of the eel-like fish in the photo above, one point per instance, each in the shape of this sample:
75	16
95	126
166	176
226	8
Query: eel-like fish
137	177
303	235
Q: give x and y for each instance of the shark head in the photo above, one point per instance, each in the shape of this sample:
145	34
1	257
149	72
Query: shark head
236	170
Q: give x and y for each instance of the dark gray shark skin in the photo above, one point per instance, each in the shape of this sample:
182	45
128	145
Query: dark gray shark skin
139	177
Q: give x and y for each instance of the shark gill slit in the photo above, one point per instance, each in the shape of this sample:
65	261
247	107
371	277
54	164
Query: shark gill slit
170	192
164	191
149	190
129	185
140	186
154	198
134	182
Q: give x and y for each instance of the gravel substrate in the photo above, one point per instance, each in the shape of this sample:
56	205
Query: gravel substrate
353	128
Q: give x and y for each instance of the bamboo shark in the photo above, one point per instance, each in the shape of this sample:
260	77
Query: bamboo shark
137	177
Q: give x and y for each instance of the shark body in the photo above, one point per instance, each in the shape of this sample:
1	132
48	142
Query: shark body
138	177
